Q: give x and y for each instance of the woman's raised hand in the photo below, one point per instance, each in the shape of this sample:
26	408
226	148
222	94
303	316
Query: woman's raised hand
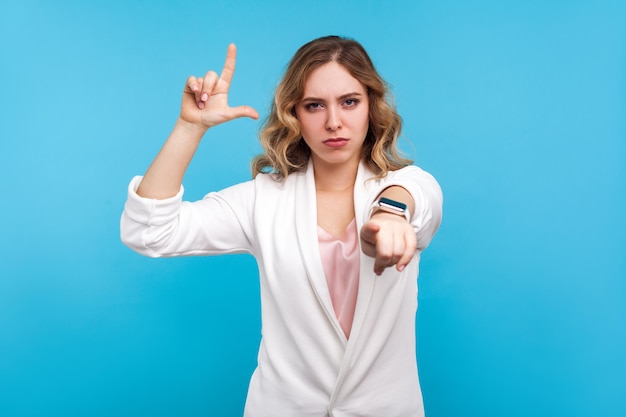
205	100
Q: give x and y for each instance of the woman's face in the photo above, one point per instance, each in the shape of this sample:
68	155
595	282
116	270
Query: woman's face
333	115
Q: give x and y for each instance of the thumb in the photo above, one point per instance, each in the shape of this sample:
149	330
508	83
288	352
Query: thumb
369	231
242	111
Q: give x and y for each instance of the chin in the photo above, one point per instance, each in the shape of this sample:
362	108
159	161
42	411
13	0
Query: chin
339	160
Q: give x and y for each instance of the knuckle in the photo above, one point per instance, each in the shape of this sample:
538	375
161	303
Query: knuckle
384	257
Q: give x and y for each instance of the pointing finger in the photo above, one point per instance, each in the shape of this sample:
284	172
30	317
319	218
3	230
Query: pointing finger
381	263
229	65
385	253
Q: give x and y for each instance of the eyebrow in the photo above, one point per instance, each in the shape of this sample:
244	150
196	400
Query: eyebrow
341	97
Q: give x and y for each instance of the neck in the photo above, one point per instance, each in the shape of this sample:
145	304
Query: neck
335	177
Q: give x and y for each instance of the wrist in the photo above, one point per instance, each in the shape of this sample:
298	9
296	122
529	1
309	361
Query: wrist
190	129
377	213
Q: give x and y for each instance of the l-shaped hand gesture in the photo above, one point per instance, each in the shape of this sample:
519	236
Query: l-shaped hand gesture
205	99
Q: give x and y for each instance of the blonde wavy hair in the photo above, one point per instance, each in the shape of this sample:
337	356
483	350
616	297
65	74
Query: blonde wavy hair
281	137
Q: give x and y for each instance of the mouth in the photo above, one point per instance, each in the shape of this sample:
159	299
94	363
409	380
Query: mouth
335	142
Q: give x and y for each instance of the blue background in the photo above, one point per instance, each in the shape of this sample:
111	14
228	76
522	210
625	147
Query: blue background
518	108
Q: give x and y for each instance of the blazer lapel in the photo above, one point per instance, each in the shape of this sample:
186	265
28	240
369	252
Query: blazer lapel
363	200
306	232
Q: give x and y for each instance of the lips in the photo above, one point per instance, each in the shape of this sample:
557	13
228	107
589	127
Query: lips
335	142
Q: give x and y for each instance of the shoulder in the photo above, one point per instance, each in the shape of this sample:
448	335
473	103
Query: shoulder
268	181
416	180
408	170
263	186
410	173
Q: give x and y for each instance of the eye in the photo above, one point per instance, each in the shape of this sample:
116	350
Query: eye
351	102
312	106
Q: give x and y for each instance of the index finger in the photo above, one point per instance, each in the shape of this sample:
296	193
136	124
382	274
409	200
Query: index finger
229	64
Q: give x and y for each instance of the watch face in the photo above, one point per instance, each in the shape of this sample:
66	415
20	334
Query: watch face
392	204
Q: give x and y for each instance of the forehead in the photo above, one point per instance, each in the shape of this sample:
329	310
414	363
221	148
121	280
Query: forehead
331	79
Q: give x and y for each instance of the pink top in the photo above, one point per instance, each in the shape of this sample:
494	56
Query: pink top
340	257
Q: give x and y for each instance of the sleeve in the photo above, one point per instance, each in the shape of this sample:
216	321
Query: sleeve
220	223
428	198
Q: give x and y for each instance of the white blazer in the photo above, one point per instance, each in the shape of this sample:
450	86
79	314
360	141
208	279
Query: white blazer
306	366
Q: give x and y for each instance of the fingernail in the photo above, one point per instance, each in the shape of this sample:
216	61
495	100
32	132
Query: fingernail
401	268
205	97
194	88
201	105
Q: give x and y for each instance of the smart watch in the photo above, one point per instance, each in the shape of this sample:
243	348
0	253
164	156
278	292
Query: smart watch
392	206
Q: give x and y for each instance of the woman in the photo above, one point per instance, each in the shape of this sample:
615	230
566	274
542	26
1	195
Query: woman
335	219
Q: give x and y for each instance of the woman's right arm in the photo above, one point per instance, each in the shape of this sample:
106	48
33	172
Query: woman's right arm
204	105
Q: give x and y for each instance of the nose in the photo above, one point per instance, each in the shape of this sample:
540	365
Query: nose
333	119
